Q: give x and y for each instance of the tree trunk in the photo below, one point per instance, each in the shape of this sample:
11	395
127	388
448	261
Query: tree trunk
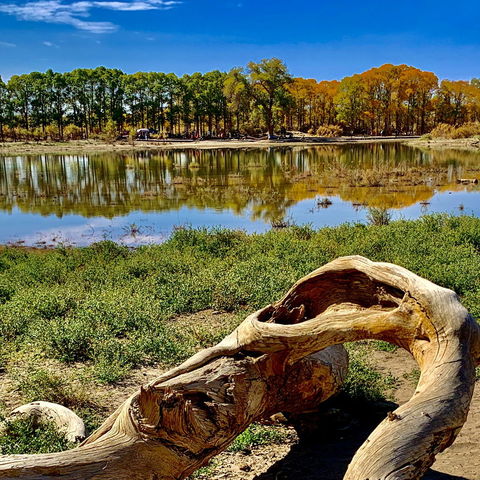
281	359
173	426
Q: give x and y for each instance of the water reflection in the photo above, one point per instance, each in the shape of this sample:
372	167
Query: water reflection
255	184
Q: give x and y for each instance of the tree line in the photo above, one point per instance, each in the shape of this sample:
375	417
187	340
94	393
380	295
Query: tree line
262	97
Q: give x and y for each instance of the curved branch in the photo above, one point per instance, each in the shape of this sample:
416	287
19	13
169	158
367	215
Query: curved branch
169	430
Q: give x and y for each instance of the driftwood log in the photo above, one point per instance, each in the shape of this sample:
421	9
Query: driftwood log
66	421
288	357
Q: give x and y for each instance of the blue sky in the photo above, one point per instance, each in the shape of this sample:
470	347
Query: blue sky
317	39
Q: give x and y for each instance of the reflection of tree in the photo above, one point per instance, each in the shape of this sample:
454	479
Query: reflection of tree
267	182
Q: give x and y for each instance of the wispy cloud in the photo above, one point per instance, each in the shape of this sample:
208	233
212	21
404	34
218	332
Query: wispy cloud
77	13
7	44
50	44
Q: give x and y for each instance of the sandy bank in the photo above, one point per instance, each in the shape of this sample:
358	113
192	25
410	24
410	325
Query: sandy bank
472	144
93	146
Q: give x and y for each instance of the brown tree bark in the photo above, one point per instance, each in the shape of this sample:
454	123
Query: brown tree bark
286	357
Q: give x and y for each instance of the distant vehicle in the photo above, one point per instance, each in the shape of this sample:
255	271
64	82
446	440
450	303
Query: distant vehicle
144	133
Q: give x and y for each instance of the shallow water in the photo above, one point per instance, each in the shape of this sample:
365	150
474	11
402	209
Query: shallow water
141	197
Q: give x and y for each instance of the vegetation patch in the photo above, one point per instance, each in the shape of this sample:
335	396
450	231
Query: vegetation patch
256	435
26	436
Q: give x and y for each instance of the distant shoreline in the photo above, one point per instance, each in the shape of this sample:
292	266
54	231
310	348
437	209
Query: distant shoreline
472	144
97	146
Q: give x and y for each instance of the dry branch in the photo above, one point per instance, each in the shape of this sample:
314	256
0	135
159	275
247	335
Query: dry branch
274	361
66	421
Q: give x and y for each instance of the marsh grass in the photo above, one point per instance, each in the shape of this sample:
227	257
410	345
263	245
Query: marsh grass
378	216
110	307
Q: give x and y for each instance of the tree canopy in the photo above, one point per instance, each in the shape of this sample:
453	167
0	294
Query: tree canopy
261	98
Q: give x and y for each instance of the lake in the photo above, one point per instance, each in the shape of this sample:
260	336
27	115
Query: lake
140	197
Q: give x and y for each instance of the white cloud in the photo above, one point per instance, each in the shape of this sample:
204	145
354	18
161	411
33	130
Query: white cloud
75	13
7	44
50	44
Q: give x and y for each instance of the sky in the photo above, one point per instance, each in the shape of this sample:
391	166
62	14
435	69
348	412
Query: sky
316	38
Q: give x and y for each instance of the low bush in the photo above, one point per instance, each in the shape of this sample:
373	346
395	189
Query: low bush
27	436
47	385
467	130
111	307
329	131
363	382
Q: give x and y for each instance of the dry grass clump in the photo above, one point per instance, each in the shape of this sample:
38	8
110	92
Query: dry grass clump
467	130
329	131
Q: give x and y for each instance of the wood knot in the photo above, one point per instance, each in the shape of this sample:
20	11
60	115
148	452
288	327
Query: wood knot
392	416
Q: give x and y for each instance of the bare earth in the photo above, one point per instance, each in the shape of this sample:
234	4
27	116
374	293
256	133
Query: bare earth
470	144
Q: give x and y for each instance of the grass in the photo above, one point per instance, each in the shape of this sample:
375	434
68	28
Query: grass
25	436
364	383
111	307
382	346
104	310
256	435
413	376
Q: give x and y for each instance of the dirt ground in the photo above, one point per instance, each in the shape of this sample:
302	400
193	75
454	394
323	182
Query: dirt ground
471	144
98	146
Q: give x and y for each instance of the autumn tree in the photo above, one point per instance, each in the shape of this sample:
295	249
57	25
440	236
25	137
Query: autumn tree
416	91
387	99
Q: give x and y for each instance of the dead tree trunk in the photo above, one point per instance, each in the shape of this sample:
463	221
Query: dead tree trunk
281	359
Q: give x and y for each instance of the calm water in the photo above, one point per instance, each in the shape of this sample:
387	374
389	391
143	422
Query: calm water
140	198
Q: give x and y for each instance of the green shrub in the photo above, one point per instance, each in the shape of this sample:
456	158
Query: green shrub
378	216
382	346
111	307
25	436
363	382
42	384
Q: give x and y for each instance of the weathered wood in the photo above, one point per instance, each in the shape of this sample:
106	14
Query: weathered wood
270	363
169	429
66	421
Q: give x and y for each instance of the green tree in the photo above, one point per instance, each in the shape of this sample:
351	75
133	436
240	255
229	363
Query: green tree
350	102
267	83
237	97
5	108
